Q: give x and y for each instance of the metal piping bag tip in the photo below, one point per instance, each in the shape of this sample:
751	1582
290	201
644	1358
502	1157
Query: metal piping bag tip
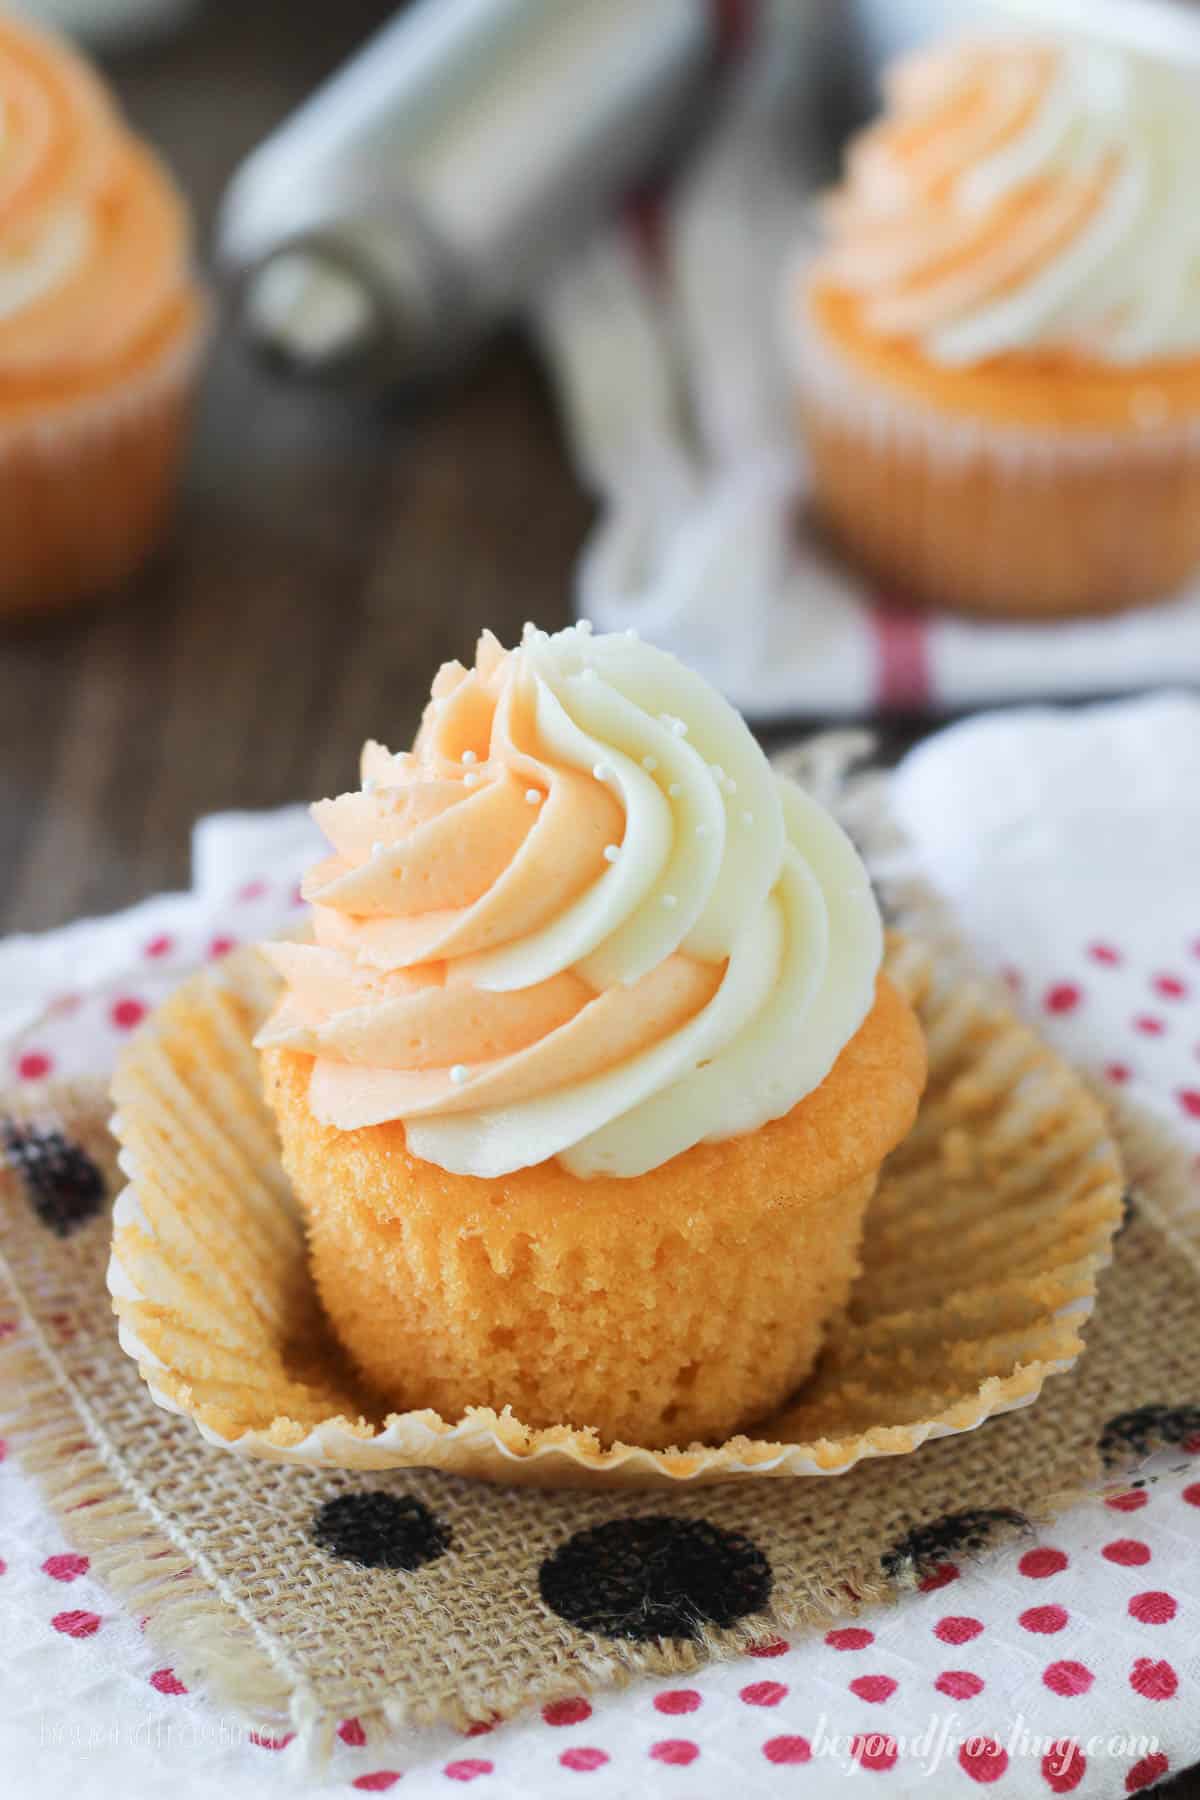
313	314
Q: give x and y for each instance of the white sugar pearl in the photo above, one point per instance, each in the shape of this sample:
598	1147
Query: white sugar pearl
602	771
469	756
469	779
459	1073
669	901
631	633
674	790
611	852
586	627
378	849
649	763
533	795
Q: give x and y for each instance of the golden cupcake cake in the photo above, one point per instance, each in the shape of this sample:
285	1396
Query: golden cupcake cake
997	353
100	324
586	1074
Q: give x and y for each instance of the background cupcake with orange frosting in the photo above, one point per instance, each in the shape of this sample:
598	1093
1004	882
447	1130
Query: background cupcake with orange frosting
100	326
997	355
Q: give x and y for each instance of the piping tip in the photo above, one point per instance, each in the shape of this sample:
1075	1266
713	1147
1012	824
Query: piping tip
313	314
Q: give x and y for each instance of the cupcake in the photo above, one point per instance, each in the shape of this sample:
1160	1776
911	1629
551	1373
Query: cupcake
585	1077
997	355
100	325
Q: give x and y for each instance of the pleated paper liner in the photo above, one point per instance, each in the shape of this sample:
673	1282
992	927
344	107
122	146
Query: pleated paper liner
979	1262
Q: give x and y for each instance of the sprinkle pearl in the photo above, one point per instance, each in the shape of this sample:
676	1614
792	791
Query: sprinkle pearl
533	796
649	763
611	852
469	756
585	627
669	901
602	771
369	785
459	1073
470	779
674	790
631	633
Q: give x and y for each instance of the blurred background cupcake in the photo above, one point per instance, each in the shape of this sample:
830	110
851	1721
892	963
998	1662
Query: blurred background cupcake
997	354
100	325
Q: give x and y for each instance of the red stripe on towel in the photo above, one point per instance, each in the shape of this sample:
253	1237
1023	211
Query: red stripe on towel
903	680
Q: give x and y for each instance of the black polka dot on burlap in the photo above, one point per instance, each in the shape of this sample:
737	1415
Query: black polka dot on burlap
1130	1436
655	1578
380	1531
920	1550
1129	1211
65	1187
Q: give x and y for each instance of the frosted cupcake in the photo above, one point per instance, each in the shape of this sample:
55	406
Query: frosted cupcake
99	329
997	357
586	1079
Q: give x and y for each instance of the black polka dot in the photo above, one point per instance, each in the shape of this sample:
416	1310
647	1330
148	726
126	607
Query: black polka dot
380	1531
920	1550
655	1578
64	1185
1131	1436
1129	1211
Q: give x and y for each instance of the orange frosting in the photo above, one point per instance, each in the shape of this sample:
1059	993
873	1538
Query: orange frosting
94	237
1003	243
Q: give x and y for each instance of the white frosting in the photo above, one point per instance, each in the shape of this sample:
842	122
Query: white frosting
50	258
1125	285
721	860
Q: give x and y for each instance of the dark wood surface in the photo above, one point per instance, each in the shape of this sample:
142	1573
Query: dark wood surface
326	556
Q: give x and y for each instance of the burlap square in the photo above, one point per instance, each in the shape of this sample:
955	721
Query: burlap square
316	1594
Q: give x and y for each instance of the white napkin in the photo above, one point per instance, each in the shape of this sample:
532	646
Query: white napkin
666	348
1069	846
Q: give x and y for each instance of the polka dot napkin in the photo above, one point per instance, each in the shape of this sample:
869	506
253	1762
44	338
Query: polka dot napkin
1067	1663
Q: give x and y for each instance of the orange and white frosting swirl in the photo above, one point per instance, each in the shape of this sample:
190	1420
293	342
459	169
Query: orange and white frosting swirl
582	918
1025	196
94	238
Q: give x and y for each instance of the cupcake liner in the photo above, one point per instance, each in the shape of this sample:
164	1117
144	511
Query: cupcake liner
86	483
980	1258
988	518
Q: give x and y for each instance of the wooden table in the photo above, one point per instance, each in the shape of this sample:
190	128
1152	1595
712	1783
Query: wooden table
326	556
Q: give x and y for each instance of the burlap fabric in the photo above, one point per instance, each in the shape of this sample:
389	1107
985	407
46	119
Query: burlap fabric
316	1594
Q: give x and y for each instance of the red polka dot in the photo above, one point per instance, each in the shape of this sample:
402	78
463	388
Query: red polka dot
957	1630
676	1751
167	1682
1153	1607
161	945
266	1741
764	1693
1063	997
1189	1100
1153	1680
959	1684
772	1647
679	1700
253	890
65	1567
34	1065
1118	1073
1044	1619
480	1727
1133	1501
469	1769
855	1637
940	1577
787	1750
1129	1552
76	1624
1105	954
1171	987
982	1759
126	1014
1063	1766
873	1688
1192	1494
566	1712
3	1448
1068	1678
583	1758
874	1751
1145	1773
377	1783
220	946
1148	1025
1038	1564
351	1732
